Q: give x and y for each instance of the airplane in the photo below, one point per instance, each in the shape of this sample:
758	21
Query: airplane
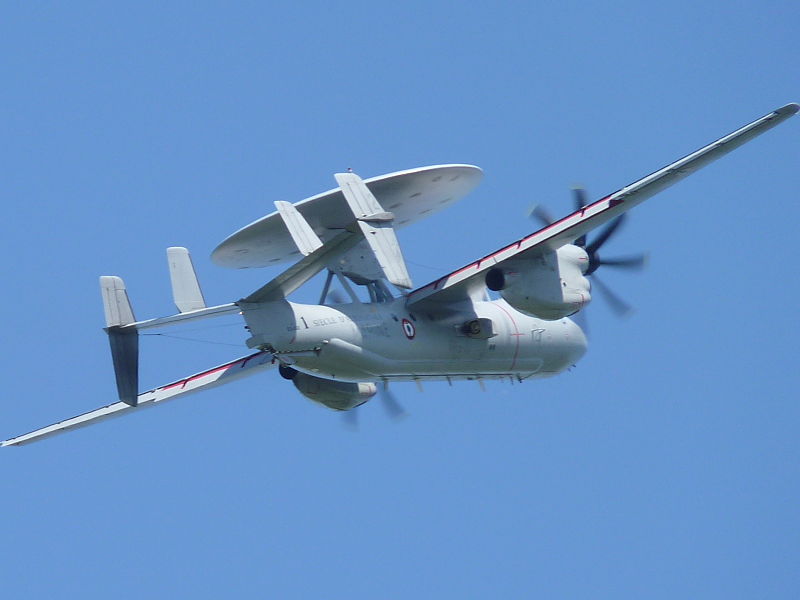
338	353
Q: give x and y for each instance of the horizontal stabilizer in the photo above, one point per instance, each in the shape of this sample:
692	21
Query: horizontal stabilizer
376	226
185	287
195	315
299	273
303	236
226	373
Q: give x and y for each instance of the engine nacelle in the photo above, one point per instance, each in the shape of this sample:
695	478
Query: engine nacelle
338	395
550	286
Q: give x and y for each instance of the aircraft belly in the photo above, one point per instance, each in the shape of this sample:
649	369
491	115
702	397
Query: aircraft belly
394	344
359	342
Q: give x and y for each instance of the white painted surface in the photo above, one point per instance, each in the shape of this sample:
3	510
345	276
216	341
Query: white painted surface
226	373
411	195
185	287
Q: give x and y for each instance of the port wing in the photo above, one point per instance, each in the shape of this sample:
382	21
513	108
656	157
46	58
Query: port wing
226	373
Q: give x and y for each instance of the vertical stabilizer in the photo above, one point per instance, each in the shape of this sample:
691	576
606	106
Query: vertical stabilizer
376	226
185	287
115	301
302	234
124	341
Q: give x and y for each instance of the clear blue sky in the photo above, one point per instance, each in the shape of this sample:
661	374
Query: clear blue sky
664	466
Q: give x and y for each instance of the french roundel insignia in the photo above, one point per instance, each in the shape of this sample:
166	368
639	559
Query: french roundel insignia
409	329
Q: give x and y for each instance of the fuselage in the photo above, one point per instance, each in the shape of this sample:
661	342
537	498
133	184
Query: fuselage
358	342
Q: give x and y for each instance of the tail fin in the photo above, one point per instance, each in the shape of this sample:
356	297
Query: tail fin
124	341
185	287
115	301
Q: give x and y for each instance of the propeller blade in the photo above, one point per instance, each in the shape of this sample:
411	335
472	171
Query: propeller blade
580	200
350	419
390	403
634	261
579	196
617	304
581	320
541	214
606	233
336	297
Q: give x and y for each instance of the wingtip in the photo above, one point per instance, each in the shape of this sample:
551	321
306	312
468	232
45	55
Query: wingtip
789	109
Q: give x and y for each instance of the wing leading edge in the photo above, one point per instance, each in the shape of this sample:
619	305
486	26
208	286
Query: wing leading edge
461	283
226	373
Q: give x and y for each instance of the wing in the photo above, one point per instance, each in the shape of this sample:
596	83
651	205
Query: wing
464	282
227	373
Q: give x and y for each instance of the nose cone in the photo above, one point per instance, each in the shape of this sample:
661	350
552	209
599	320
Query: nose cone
576	340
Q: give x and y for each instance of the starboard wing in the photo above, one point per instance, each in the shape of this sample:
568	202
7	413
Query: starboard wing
464	282
226	373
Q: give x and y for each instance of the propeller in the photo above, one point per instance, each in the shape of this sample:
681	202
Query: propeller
630	262
350	419
580	200
393	408
541	214
337	297
617	304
